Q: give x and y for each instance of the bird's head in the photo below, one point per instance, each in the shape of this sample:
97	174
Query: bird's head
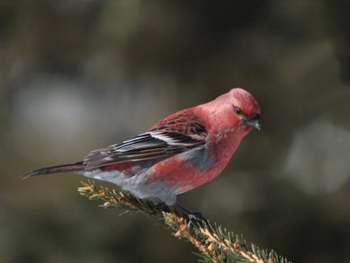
236	108
245	108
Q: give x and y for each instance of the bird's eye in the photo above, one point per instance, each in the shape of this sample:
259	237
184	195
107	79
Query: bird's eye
237	110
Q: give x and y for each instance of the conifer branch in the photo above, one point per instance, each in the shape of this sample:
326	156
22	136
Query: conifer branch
215	243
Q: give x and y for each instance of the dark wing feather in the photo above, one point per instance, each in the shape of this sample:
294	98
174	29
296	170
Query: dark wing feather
154	145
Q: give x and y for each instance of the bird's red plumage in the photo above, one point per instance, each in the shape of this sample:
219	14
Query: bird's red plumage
183	151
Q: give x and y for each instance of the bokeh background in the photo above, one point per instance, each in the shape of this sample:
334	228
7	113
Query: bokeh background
80	74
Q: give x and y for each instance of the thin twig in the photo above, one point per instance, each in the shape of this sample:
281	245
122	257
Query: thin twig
212	241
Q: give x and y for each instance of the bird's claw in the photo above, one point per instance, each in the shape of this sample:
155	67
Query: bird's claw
195	219
163	207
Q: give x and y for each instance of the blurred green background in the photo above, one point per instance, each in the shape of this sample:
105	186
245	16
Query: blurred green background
81	74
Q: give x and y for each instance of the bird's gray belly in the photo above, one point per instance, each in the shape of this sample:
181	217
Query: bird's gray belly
157	191
136	183
201	158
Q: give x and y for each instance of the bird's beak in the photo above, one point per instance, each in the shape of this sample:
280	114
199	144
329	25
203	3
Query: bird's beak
254	122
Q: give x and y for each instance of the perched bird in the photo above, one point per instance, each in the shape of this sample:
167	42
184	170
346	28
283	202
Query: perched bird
181	152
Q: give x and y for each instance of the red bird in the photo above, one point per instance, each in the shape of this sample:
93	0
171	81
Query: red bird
181	152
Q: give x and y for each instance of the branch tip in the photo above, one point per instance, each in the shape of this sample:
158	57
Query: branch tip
215	243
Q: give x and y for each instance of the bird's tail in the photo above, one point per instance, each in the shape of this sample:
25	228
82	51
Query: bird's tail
64	168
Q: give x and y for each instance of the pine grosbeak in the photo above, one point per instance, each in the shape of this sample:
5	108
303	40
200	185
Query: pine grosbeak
181	152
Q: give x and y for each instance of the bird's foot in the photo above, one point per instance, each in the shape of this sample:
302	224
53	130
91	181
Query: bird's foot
193	218
159	205
196	219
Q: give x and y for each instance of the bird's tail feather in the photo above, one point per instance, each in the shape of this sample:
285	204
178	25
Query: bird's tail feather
64	168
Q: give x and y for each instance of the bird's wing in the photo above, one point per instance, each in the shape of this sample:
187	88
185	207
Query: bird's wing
157	144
